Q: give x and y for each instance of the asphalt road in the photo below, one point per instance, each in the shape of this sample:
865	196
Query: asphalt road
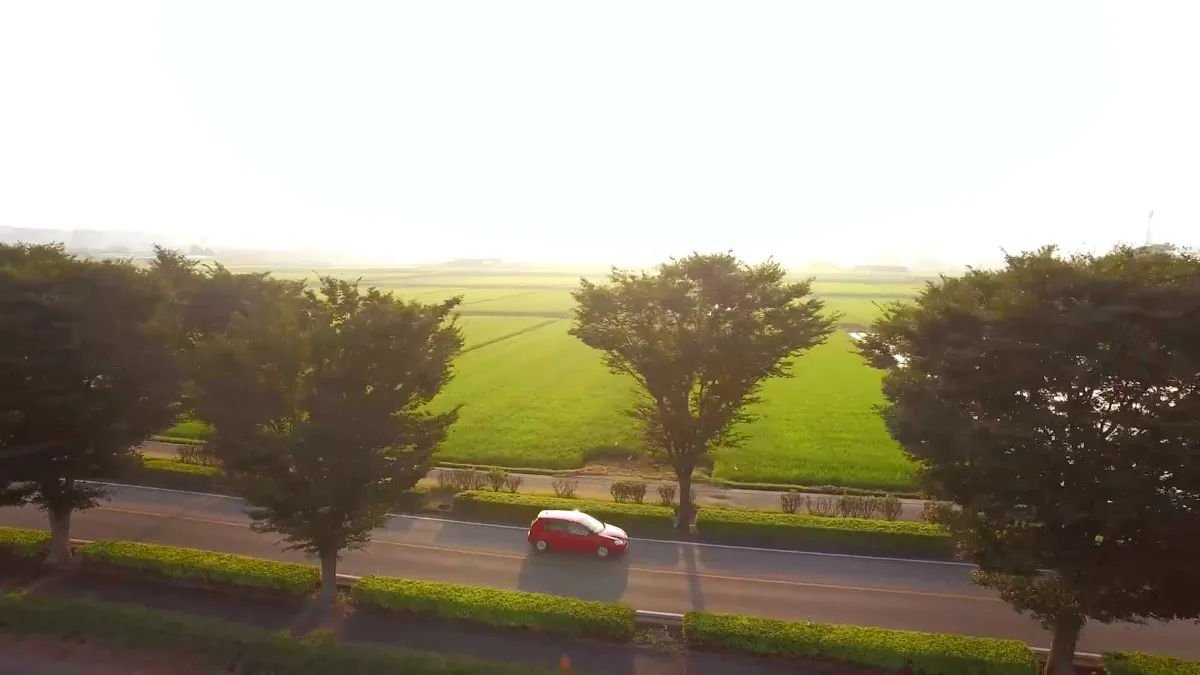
660	576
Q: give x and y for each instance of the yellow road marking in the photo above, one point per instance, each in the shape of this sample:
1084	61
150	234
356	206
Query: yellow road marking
650	570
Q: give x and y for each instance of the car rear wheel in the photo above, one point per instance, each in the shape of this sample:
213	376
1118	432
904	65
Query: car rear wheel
541	546
602	551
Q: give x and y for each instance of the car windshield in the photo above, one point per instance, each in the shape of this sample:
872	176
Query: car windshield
594	526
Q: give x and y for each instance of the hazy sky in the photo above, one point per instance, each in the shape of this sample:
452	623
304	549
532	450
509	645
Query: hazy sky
833	130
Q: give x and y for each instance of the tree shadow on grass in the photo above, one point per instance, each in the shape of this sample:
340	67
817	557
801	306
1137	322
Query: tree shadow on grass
265	610
538	649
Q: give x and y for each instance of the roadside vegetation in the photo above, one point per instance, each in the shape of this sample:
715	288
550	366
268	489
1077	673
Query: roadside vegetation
1051	407
322	650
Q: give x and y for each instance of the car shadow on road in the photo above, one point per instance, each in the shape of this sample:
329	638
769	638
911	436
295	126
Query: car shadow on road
574	576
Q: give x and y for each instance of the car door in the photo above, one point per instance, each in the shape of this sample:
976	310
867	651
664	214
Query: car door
556	535
581	538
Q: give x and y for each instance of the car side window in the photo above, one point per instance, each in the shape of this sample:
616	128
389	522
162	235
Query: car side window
577	530
554	526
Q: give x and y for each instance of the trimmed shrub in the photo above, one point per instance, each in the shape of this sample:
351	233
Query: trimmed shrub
495	607
822	507
223	645
846	534
24	543
790	501
890	507
472	479
666	493
513	483
932	511
856	506
628	491
197	454
564	488
1136	663
459	480
637	519
181	466
186	564
496	478
927	653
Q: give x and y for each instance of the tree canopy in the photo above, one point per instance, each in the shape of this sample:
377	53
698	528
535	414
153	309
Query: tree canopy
698	337
1057	402
318	403
91	366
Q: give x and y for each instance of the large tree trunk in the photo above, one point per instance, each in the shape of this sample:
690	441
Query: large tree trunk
1061	660
60	536
686	511
329	560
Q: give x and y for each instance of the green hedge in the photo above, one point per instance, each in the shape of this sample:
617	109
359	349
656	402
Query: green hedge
735	526
189	477
844	534
1136	663
24	543
929	653
176	475
188	564
220	644
536	611
638	519
177	466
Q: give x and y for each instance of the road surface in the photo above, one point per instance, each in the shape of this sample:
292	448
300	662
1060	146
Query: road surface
655	575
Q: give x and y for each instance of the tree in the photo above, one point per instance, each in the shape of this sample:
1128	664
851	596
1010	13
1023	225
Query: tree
1057	402
698	338
206	296
90	365
318	408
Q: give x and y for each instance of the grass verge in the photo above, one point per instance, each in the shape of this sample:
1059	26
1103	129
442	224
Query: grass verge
186	564
226	646
927	653
1136	663
733	526
24	543
177	440
519	609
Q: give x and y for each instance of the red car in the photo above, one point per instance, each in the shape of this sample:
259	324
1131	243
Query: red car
576	532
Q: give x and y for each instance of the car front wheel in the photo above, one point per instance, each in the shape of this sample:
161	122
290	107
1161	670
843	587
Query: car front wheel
602	551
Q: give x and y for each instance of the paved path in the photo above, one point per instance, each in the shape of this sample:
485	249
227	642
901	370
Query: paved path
656	575
597	487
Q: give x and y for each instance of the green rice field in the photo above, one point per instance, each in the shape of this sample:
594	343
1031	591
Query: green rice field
532	396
